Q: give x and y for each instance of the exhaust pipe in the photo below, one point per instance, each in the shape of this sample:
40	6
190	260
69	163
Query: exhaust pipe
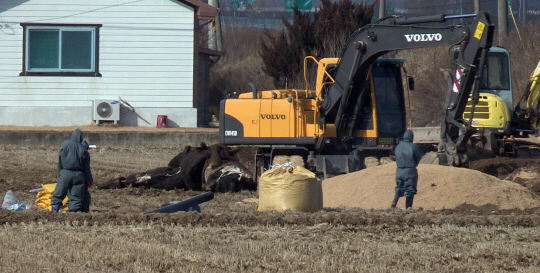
254	88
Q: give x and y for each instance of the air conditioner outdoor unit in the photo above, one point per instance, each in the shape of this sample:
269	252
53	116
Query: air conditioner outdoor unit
106	110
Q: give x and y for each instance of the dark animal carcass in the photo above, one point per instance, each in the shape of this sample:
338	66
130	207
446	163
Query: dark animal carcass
162	178
210	168
229	176
213	168
192	163
175	162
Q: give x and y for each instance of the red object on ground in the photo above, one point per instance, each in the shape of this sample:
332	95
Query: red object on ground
162	121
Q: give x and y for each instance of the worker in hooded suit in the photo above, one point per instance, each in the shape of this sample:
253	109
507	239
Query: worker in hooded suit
408	156
74	175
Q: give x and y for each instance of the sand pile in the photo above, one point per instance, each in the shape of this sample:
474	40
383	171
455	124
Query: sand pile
439	187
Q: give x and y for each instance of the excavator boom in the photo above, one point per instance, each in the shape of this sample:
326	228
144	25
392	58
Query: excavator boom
342	100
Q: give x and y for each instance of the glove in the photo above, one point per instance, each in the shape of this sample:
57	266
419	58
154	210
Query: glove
89	184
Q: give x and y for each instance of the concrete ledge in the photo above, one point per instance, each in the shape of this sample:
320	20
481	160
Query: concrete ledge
110	138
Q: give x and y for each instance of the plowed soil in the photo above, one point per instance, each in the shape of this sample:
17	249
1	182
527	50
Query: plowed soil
524	171
229	235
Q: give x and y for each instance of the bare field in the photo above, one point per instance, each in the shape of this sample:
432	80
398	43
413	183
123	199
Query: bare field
231	236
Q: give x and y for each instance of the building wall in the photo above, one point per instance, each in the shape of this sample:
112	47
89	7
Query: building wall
145	56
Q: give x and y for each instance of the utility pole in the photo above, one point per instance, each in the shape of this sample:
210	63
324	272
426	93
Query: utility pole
461	10
476	6
503	20
219	40
523	11
382	9
214	30
211	29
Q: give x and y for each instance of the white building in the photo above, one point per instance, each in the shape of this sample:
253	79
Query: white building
58	56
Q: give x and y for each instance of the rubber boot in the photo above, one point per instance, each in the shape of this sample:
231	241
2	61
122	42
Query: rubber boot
55	208
409	202
86	202
396	198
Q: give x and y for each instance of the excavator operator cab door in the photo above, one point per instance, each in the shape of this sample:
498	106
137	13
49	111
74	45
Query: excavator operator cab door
494	110
496	79
389	99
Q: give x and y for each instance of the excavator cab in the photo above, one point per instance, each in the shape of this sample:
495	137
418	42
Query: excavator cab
381	124
494	110
389	100
382	110
496	78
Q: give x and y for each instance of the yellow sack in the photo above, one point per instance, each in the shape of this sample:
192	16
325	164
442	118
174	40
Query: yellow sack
44	197
288	188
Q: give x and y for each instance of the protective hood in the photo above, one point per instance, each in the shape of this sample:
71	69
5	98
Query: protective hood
77	136
408	136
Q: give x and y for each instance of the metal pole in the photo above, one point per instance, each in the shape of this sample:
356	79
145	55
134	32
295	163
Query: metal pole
468	15
382	9
211	28
219	40
191	204
476	6
503	20
461	9
523	11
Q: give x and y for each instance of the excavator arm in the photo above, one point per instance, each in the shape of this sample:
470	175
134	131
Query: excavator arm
526	117
342	100
533	107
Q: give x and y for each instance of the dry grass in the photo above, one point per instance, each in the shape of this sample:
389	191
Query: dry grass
427	66
231	236
155	247
525	55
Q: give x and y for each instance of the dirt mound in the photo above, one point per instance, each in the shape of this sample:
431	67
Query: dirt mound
524	171
439	187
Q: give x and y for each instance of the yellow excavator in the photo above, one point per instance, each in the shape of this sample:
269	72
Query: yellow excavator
528	109
503	130
358	108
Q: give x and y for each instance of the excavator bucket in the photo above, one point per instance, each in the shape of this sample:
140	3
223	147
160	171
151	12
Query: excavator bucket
482	145
430	158
427	135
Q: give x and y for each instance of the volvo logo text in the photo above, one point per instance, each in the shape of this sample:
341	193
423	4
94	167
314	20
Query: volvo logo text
423	37
267	116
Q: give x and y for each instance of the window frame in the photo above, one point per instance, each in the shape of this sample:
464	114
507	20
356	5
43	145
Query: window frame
502	72
58	72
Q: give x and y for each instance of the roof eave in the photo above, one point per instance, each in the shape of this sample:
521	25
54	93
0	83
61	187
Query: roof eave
204	11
